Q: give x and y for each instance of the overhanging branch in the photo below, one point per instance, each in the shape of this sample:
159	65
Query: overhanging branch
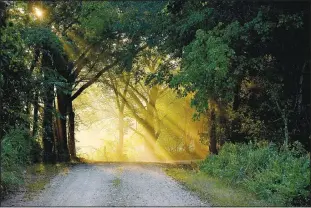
94	79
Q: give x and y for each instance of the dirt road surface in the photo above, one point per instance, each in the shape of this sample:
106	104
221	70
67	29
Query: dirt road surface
111	185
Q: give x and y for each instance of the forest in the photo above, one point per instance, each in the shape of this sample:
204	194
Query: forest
226	82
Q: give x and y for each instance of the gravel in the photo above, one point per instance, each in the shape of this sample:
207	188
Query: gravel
112	185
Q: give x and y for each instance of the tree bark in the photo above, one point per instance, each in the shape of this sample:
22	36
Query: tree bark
213	141
286	134
64	68
47	126
31	96
284	117
62	147
3	17
35	114
3	13
121	132
235	123
150	118
71	139
185	131
224	124
1	107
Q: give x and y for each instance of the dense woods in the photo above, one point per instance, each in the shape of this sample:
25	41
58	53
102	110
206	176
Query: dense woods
193	75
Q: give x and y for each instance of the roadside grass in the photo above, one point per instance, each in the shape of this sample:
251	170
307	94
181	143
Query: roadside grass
116	182
278	174
37	176
213	190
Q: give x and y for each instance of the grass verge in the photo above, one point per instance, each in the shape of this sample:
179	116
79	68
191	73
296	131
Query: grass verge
37	176
214	191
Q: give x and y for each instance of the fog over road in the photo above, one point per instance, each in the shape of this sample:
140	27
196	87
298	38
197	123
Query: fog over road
112	185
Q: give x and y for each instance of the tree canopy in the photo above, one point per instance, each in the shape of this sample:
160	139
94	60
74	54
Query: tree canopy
191	75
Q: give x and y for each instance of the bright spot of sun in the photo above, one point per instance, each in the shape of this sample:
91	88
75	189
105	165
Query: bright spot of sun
38	12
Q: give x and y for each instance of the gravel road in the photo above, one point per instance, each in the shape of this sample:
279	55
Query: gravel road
112	185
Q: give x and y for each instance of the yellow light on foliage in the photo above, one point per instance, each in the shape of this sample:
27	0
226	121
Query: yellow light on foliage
38	12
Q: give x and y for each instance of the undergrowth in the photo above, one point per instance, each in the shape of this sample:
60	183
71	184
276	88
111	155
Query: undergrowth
214	190
279	175
18	149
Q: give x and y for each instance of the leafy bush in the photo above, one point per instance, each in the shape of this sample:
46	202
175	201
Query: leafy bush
281	176
17	150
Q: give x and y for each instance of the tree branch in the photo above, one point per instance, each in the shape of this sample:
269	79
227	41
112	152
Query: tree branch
94	79
137	132
98	75
139	93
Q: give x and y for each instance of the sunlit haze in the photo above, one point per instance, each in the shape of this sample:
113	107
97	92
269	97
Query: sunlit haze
38	12
97	129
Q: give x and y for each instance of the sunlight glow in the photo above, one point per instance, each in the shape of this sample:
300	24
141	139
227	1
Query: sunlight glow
38	12
98	132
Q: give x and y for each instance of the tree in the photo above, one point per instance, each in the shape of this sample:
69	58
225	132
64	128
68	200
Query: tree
127	40
243	43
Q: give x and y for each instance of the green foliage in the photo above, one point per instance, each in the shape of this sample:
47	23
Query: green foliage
235	53
214	190
13	75
279	176
17	150
96	18
11	48
205	68
42	37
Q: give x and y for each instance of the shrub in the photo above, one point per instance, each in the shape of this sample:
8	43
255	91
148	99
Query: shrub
280	176
17	150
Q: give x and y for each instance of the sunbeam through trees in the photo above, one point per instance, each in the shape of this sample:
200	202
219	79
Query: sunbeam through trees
220	86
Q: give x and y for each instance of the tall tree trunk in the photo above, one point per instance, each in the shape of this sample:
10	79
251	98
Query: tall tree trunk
32	95
35	114
47	125
224	124
284	117
150	118
55	136
213	141
186	136
71	78
64	68
150	137
121	132
71	139
3	17
62	147
150	140
286	134
187	144
235	123
1	107
28	113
